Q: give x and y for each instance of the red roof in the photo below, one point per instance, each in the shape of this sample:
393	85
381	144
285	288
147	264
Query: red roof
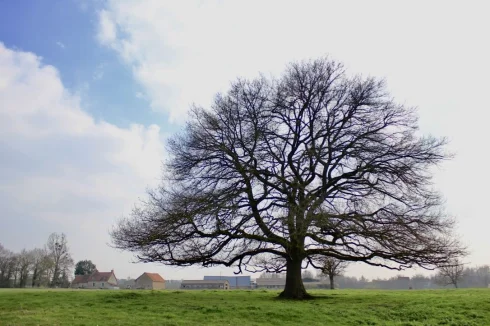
81	279
94	277
155	277
100	277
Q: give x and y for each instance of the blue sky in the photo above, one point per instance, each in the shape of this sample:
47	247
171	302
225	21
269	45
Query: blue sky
63	33
91	89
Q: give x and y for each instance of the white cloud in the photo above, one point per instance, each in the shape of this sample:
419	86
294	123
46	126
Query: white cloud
60	169
60	44
187	51
107	30
431	53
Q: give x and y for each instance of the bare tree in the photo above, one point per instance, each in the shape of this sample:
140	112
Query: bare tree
333	267
58	252
451	273
14	269
483	274
315	163
26	262
7	267
41	264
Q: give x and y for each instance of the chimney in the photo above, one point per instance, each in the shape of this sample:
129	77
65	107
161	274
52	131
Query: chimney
112	271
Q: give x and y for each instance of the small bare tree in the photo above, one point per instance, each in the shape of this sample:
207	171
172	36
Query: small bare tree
59	253
450	273
333	267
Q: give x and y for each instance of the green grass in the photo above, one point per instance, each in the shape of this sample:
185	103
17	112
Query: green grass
257	307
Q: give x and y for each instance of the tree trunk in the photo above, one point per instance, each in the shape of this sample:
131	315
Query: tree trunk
332	286
34	277
294	288
21	280
54	280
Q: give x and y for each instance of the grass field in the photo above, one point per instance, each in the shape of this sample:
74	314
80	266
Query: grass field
257	307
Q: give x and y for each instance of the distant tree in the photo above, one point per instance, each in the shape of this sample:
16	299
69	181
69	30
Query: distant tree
308	276
4	259
451	273
47	268
26	262
314	163
420	281
85	267
14	269
41	263
483	275
363	281
8	268
65	281
333	267
59	253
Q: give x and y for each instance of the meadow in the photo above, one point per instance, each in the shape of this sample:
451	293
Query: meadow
254	307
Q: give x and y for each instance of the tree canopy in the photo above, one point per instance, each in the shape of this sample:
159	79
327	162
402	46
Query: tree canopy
85	267
279	173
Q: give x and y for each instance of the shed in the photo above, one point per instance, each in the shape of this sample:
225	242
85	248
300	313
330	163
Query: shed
205	284
150	281
271	283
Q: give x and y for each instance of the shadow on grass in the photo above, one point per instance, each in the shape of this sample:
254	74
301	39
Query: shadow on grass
309	297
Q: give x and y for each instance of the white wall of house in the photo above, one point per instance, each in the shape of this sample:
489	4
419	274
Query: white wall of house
100	285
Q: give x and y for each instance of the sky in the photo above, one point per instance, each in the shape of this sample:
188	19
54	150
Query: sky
91	89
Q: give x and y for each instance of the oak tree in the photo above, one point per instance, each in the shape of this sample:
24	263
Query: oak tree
279	172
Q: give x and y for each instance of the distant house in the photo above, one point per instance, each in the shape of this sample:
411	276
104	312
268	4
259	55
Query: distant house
205	284
270	283
236	282
96	280
150	281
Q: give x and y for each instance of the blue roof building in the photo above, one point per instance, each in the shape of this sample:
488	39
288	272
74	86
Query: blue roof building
236	282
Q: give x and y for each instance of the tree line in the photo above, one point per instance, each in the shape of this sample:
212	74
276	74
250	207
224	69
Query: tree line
49	266
457	276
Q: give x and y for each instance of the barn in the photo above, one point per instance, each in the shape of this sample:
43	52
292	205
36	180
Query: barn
205	284
150	281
